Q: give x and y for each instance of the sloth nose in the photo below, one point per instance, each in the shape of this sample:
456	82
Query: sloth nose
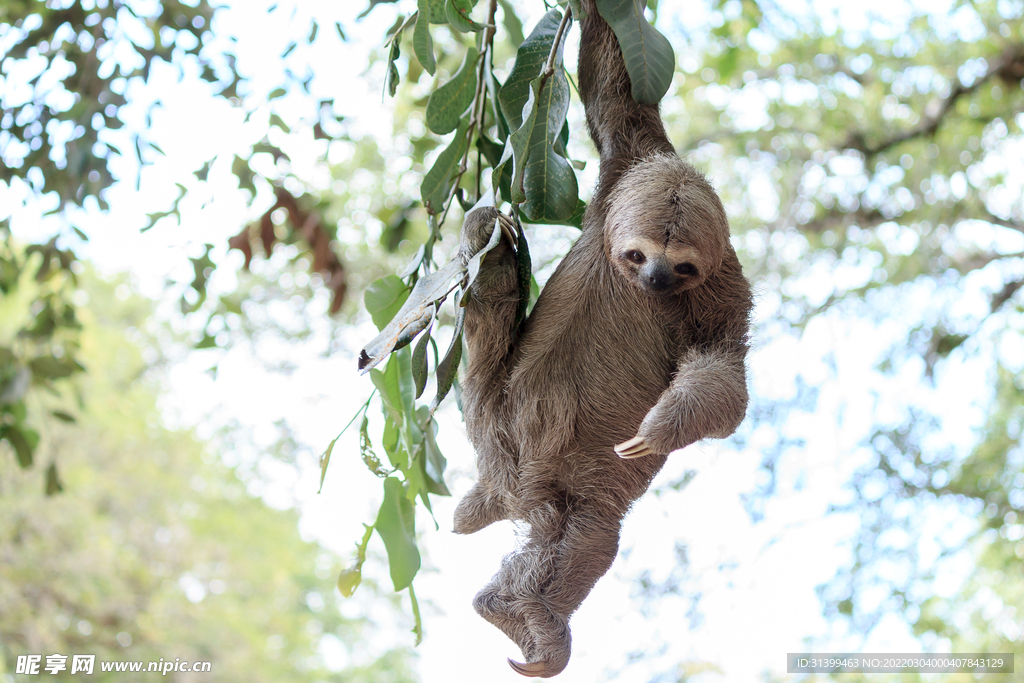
657	280
656	275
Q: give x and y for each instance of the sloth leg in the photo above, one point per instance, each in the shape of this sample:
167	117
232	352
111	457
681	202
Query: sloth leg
489	336
479	508
585	544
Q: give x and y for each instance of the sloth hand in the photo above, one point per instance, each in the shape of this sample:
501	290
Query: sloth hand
634	448
479	226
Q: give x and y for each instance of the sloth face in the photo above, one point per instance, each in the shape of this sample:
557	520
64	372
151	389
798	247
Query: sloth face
658	268
665	230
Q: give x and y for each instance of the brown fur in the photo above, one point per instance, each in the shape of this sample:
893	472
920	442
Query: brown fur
609	352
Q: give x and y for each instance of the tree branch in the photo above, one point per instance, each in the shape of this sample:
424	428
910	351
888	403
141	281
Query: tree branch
1006	293
1008	64
864	218
1003	222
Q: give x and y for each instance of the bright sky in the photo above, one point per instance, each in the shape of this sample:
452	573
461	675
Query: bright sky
757	581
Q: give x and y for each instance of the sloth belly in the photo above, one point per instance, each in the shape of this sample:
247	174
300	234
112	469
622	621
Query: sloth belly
591	363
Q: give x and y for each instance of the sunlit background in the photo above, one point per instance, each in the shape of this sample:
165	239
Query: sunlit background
870	158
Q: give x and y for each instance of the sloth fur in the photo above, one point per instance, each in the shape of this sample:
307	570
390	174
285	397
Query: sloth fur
640	336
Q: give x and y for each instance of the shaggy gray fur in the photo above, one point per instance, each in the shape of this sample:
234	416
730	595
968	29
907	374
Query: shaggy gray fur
614	349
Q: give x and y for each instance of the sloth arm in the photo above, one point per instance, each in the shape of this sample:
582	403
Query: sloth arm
623	130
490	313
707	396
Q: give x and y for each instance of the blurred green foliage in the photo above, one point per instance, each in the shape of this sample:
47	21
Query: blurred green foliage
155	549
39	330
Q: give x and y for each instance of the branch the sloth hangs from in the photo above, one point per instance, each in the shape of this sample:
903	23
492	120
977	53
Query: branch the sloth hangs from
638	339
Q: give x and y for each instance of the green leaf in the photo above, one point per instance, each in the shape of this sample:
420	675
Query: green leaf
392	74
575	220
49	367
392	444
276	93
384	298
490	149
437	12
434	461
396	524
496	157
501	176
414	315
535	107
437	183
23	441
419	363
457	12
544	180
530	60
649	58
62	416
369	458
422	44
406	385
493	86
416	483
390	393
350	578
409	331
396	388
512	23
417	621
447	104
53	485
448	368
325	460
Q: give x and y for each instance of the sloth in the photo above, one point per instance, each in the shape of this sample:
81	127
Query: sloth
635	348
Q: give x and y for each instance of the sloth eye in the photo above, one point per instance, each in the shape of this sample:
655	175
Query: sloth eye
635	256
686	269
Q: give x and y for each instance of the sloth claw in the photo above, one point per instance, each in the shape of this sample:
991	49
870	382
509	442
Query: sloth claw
508	229
634	448
533	669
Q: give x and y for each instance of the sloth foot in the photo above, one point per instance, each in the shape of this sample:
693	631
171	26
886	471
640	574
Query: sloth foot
479	226
476	510
634	448
499	611
552	645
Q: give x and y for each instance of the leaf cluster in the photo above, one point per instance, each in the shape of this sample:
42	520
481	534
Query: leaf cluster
39	345
82	58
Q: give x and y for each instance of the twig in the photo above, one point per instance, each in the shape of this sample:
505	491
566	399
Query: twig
549	68
476	120
1009	289
1003	222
